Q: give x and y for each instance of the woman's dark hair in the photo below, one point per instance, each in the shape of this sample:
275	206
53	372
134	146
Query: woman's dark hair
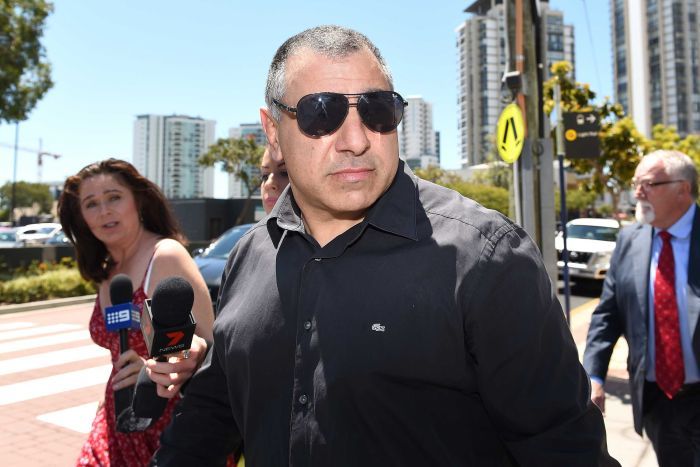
153	209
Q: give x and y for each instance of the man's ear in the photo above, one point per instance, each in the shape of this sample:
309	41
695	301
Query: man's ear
269	124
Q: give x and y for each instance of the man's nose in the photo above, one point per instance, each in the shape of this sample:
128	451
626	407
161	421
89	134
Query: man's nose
352	135
272	183
639	192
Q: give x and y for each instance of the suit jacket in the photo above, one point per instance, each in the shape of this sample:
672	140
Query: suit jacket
624	308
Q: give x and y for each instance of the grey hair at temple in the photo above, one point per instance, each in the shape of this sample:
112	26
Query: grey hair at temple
331	41
678	165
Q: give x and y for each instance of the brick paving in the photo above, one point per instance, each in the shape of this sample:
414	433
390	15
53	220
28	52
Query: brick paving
26	440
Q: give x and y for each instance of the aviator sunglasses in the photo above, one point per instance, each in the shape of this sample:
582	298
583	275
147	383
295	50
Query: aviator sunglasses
322	113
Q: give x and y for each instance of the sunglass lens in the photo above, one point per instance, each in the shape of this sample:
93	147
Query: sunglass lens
322	113
381	111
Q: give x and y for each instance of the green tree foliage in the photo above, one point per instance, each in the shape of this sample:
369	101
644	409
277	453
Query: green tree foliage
621	144
579	199
498	174
437	175
492	197
240	157
26	194
666	137
25	73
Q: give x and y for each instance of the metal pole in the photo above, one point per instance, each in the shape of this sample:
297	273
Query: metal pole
14	177
562	201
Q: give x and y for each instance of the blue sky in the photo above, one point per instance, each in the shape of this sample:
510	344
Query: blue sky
115	60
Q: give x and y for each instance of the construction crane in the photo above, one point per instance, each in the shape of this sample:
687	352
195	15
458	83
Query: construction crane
40	154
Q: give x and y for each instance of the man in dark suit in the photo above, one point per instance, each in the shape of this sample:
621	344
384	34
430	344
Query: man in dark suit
651	295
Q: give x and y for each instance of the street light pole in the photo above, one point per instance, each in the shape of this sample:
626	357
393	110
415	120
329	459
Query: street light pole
562	200
14	177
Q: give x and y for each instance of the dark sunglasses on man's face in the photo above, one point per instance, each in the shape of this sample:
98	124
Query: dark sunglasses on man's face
322	113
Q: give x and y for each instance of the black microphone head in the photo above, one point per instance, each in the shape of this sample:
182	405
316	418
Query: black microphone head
120	289
172	302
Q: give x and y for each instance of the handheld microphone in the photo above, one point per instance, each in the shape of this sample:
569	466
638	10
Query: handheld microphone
168	326
122	316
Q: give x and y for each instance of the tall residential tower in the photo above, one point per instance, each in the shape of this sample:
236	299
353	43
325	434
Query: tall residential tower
419	144
656	62
481	57
166	149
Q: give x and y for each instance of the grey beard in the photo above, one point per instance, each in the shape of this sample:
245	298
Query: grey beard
644	212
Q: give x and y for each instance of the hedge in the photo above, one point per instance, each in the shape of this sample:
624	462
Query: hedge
58	283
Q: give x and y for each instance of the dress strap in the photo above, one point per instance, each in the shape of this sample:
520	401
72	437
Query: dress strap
147	277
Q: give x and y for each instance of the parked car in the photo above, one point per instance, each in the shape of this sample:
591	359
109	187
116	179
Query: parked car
58	238
212	260
590	242
8	238
36	234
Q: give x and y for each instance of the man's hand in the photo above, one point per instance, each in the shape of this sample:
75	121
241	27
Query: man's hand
171	375
598	395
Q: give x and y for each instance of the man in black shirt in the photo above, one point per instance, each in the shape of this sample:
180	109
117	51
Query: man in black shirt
374	318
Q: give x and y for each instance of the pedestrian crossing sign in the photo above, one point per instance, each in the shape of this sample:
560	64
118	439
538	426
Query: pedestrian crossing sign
510	133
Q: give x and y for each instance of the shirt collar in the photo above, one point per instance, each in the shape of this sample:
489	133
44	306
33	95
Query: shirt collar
683	226
393	212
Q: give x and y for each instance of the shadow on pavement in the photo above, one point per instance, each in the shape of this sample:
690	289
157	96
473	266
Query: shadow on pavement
584	288
618	388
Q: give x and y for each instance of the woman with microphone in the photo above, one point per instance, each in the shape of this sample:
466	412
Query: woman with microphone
119	223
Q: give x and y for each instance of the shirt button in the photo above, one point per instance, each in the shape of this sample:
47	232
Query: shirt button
303	399
307	325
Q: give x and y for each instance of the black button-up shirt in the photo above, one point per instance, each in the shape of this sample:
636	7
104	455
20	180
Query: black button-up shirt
428	335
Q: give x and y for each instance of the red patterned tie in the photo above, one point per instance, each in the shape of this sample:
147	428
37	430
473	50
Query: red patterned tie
670	372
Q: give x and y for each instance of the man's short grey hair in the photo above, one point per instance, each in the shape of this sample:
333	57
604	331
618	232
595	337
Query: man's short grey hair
330	41
678	166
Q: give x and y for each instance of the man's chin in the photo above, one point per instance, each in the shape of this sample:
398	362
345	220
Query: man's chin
644	214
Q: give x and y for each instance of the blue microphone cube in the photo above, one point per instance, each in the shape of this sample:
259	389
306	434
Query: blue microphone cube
122	316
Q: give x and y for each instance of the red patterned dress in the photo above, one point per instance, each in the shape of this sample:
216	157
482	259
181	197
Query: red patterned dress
106	446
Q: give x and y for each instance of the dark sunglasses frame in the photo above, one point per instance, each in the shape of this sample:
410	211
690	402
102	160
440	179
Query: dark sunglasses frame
311	122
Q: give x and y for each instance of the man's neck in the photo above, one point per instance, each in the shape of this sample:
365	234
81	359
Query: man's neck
326	227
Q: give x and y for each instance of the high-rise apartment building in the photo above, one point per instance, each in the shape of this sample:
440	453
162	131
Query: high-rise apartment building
656	62
482	55
249	130
166	149
418	142
236	188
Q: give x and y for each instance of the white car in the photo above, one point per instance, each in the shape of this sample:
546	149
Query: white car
8	238
590	242
37	234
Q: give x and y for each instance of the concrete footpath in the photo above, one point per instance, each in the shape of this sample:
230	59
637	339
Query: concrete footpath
624	444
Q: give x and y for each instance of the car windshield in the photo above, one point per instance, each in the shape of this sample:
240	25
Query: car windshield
7	237
46	230
224	244
58	237
592	232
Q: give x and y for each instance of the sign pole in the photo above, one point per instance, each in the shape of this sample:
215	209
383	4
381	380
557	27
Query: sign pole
13	203
562	201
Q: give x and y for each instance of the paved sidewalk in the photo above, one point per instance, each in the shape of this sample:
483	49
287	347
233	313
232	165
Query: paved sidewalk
51	378
624	444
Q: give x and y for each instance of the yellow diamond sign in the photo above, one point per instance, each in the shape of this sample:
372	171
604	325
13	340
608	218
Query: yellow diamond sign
511	133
